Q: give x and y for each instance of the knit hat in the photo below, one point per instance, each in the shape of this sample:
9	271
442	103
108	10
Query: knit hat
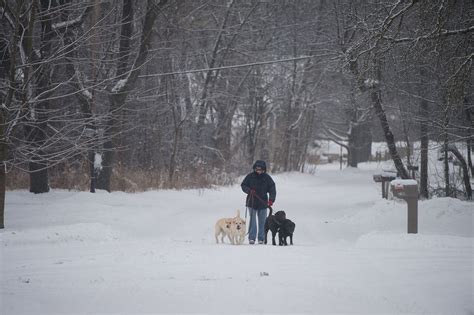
260	164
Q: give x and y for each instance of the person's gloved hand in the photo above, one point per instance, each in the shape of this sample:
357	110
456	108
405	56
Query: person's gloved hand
252	191
270	203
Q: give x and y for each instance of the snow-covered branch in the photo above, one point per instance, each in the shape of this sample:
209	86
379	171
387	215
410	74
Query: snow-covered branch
334	136
432	36
60	26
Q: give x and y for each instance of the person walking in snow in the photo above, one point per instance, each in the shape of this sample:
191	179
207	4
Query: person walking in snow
261	194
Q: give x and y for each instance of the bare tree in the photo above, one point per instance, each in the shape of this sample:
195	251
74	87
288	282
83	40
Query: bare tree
127	75
38	131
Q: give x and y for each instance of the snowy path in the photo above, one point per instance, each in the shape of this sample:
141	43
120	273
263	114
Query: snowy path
154	252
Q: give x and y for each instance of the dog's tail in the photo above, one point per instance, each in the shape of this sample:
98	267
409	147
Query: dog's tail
238	213
271	211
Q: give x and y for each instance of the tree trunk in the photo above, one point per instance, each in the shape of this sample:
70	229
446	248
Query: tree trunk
3	157
470	127
7	64
466	179
178	119
365	143
36	135
2	196
377	103
445	134
38	177
38	166
447	185
375	96
34	129
359	144
469	153
116	102
174	154
84	95
104	173
119	95
352	155
423	110
424	149
41	83
92	171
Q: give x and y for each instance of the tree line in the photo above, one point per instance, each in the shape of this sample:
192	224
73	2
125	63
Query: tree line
173	94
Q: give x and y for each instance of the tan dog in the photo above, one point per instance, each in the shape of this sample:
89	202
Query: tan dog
223	228
238	229
234	228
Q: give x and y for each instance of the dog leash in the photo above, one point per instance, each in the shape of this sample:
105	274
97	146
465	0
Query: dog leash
248	230
261	200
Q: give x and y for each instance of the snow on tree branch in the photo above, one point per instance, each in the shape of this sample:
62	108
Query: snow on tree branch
119	85
431	36
71	23
371	83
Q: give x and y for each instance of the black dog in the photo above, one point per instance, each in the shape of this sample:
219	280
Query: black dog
287	228
273	223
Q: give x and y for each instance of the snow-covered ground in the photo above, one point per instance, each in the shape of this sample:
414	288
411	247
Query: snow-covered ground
154	252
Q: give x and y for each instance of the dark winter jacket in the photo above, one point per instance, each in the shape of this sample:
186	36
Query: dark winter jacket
263	185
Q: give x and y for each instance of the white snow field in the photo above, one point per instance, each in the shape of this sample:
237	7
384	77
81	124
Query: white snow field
69	252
